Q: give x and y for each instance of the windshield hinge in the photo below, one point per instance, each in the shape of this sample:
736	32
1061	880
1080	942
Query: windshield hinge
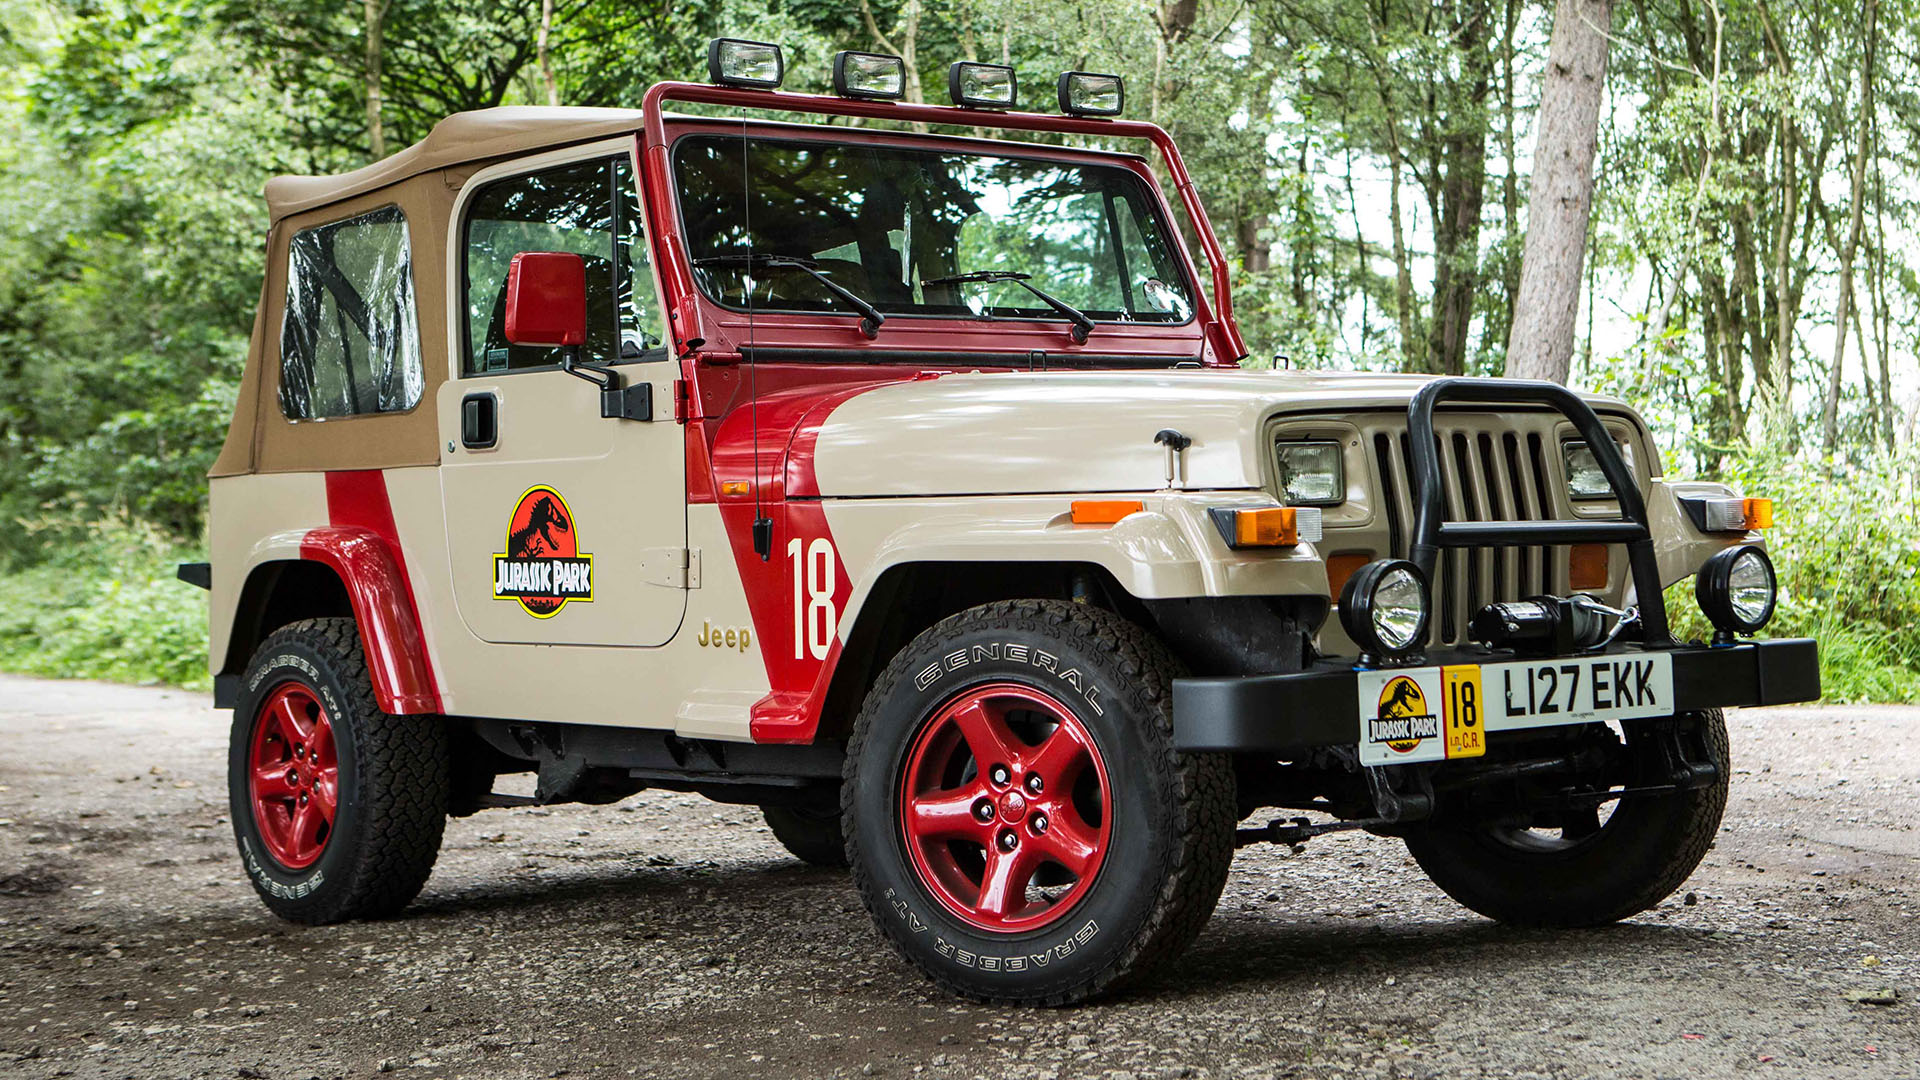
671	568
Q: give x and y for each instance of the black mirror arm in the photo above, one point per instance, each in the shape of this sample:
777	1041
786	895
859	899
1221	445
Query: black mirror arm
618	401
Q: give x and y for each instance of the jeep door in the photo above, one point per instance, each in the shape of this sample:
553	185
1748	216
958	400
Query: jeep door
563	527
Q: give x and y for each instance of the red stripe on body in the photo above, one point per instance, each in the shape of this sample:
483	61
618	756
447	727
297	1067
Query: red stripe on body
362	545
784	613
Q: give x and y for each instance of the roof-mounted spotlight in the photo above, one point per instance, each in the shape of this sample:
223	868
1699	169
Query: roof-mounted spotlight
754	64
1083	93
869	76
981	86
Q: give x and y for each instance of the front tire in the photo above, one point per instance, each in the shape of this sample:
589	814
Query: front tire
1592	873
1019	824
337	807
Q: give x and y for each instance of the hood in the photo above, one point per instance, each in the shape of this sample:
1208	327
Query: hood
1060	432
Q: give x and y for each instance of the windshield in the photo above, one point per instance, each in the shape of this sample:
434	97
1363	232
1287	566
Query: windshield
887	223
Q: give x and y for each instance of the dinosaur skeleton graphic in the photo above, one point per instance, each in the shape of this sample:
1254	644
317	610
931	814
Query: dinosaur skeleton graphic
543	568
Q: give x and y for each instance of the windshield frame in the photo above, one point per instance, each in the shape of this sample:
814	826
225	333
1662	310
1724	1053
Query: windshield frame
1130	166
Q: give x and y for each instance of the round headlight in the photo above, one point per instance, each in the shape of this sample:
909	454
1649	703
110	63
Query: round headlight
1737	590
1384	607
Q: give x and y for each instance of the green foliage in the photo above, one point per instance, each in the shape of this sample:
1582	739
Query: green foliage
1846	547
1361	165
108	608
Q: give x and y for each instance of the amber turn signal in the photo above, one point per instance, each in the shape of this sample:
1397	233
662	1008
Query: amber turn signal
1267	526
1104	511
735	487
1587	567
1341	567
1729	515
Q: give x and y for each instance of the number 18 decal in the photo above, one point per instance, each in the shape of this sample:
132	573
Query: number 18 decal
813	583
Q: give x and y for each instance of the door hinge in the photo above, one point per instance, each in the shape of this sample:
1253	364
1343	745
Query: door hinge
671	568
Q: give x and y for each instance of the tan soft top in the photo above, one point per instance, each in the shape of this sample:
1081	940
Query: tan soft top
460	138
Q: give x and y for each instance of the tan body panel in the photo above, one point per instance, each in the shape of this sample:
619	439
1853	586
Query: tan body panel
253	520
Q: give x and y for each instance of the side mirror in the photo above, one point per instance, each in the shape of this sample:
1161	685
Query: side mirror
547	307
547	299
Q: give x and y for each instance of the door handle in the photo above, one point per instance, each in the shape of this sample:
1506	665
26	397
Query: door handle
479	421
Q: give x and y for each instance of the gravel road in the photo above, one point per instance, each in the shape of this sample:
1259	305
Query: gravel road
671	937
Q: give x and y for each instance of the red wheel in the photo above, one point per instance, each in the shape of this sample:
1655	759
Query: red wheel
293	776
1005	807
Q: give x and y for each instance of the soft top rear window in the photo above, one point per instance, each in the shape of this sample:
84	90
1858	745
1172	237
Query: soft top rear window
888	222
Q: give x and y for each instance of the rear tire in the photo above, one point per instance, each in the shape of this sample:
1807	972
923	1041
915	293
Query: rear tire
811	835
1637	858
1019	824
337	807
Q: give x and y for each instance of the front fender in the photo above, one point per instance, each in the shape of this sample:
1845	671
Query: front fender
1168	550
1679	548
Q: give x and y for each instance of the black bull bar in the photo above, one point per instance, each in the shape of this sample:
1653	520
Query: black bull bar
1294	711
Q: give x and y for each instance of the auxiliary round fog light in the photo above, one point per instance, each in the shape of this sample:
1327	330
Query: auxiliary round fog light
1737	590
1384	607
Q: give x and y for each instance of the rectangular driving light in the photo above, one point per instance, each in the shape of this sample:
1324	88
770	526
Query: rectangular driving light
1083	93
869	76
982	86
1267	526
754	64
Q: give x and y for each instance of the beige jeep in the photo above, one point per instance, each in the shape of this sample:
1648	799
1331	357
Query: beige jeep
903	482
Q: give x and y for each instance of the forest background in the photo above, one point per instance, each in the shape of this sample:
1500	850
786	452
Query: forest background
1750	278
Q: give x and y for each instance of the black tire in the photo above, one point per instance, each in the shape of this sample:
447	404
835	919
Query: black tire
811	835
1169	834
393	783
1638	857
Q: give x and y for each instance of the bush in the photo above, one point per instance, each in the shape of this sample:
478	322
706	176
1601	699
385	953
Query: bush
1846	546
108	608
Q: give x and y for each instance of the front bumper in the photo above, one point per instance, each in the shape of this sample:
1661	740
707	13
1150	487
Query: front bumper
1292	714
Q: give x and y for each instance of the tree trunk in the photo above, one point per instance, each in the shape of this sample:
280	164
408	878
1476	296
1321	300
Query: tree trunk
375	12
1883	316
546	57
1856	218
1402	276
1560	197
1510	180
1256	254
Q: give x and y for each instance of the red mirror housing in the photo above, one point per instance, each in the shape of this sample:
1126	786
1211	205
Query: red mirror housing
547	299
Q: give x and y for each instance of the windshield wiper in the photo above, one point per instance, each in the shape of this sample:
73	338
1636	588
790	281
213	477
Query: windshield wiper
870	316
1082	326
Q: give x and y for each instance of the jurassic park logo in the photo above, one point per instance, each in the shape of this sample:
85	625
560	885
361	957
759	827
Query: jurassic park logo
1403	719
543	568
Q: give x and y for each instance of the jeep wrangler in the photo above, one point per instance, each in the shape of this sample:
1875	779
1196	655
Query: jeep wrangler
902	481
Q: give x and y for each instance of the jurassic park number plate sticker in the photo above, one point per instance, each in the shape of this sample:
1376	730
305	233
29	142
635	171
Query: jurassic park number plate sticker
1435	713
543	568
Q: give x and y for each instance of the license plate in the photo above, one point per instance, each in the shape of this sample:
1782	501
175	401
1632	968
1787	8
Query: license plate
1421	714
1436	713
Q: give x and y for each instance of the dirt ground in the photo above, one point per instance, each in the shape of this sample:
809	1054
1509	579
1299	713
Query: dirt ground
671	937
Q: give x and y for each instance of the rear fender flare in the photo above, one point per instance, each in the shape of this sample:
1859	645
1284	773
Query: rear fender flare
382	603
396	648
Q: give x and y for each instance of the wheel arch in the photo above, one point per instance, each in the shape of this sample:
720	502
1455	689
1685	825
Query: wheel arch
347	572
1209	634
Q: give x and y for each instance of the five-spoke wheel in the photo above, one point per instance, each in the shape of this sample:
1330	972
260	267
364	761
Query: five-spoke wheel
293	778
1006	807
